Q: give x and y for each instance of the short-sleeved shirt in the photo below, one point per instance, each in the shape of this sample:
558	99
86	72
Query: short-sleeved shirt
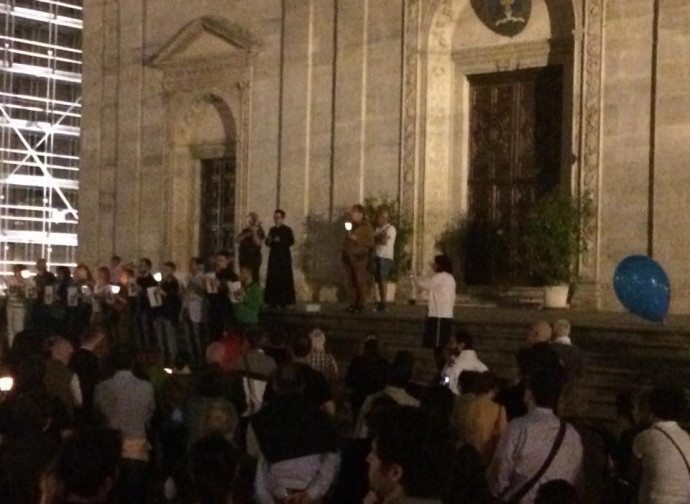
522	450
386	251
665	477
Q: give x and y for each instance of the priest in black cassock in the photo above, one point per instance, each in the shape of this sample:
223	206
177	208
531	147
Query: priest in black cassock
280	284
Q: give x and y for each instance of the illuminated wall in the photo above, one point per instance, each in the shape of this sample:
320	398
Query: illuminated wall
40	112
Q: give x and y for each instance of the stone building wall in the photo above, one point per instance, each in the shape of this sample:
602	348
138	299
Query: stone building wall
325	102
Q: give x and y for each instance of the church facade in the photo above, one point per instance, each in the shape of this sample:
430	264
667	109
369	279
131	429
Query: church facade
197	113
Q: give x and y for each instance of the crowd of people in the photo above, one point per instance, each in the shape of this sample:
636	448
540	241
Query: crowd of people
134	388
170	310
268	418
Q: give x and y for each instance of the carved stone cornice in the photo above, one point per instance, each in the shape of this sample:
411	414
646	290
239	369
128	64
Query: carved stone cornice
194	78
235	36
514	56
192	74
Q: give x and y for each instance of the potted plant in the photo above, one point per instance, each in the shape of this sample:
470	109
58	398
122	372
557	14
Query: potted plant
403	227
476	248
555	236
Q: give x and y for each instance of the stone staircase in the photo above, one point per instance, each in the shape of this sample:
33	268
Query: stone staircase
621	352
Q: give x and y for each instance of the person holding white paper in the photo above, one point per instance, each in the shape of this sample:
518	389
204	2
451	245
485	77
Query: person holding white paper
145	280
39	317
60	312
80	302
167	317
16	303
235	292
194	307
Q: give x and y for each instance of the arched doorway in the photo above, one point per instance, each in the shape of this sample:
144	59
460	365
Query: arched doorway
206	76
489	145
204	164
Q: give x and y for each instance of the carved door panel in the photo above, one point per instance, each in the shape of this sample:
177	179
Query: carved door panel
217	229
515	156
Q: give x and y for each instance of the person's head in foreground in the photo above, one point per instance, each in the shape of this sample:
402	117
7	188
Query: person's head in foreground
539	332
87	468
543	390
410	456
668	403
459	341
212	470
401	369
318	340
443	264
561	329
301	347
220	419
357	213
557	492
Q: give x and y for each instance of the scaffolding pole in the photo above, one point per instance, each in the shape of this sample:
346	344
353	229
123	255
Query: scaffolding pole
40	113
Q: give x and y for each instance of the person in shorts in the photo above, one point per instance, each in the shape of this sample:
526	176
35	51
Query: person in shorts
385	253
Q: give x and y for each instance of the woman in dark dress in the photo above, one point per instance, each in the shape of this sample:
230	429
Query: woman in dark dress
250	240
280	284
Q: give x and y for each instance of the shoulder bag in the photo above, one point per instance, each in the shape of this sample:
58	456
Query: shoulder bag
527	487
687	465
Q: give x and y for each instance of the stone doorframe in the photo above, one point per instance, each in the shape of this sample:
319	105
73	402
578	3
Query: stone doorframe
193	86
427	47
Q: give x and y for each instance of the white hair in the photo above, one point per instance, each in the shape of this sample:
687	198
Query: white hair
561	329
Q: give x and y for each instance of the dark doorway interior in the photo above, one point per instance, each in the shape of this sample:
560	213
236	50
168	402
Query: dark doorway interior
217	227
515	156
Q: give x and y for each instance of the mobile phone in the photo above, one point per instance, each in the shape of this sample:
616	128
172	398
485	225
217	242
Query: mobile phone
348	226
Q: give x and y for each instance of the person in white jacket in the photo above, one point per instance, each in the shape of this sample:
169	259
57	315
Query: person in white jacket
462	357
439	322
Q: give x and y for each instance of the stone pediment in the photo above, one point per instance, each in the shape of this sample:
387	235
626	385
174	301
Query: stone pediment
206	37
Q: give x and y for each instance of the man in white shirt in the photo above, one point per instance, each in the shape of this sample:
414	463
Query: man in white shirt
528	442
462	357
385	253
663	450
127	404
295	443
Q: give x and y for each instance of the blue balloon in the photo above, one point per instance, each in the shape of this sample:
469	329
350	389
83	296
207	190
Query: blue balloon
642	285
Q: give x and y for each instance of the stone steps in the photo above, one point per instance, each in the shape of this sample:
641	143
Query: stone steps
620	355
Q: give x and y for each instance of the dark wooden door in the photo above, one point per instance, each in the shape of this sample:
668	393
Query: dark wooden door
217	206
515	156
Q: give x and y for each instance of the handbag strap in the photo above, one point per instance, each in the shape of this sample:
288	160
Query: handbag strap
525	489
687	465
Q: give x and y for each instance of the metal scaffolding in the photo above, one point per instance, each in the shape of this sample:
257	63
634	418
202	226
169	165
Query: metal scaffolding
40	111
